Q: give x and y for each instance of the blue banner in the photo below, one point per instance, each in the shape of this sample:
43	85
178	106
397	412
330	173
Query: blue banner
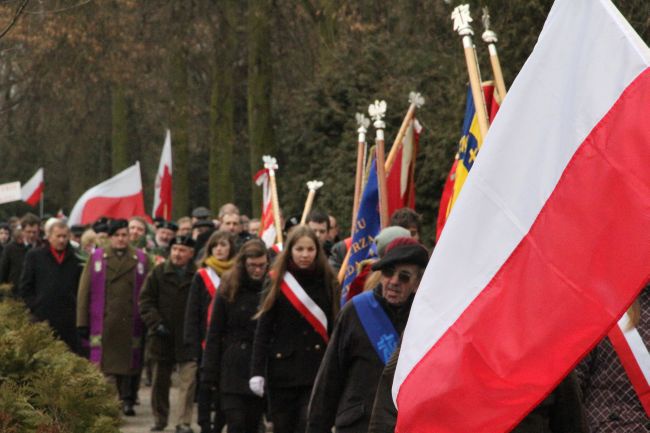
367	226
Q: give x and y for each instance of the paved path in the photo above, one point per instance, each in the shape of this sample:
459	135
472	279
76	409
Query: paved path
142	422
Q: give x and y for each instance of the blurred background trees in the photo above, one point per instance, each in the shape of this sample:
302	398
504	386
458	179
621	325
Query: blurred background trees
88	87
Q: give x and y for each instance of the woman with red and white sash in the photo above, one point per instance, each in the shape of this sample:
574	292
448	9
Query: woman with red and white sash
217	259
295	319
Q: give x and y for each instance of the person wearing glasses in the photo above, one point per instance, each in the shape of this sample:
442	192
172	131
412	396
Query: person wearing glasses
364	338
229	347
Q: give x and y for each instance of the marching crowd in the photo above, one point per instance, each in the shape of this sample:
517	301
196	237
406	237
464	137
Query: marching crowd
257	333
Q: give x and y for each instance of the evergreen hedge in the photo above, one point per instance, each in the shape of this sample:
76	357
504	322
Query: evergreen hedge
44	388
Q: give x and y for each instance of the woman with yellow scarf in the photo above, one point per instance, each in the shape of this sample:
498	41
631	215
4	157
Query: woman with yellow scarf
217	259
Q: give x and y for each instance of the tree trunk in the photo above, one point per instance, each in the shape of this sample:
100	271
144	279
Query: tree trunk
259	89
119	141
179	122
222	108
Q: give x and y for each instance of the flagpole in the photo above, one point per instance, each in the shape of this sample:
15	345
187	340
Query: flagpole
490	38
363	123
416	101
41	203
271	165
377	112
313	186
462	18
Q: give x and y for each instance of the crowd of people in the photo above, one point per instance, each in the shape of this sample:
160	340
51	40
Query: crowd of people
258	336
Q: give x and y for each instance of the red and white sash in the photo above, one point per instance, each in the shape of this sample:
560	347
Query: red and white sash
211	281
634	355
304	304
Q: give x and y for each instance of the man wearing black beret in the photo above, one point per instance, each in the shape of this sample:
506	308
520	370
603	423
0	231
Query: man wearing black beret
165	232
162	305
365	335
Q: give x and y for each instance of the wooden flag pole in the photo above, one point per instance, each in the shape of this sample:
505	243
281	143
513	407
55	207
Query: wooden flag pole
490	38
377	112
271	165
363	123
313	186
416	101
462	18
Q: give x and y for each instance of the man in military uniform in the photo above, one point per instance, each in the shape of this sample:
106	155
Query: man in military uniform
107	312
162	305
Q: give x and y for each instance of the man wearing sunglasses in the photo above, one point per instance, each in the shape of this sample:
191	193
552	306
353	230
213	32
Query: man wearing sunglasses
365	335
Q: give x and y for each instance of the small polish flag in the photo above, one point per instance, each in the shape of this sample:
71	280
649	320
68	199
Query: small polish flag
162	197
118	197
32	190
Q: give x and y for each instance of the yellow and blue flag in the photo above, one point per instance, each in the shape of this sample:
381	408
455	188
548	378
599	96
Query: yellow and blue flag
468	148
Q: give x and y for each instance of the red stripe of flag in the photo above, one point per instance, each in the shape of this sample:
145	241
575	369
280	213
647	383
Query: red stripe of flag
552	298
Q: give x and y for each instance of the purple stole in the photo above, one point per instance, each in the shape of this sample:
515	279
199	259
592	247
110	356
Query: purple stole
98	298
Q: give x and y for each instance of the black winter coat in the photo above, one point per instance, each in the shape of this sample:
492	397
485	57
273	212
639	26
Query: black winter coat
11	264
229	347
196	313
162	301
287	351
345	387
50	290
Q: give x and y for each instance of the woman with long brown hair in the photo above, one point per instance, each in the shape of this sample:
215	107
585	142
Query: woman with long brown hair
295	320
216	260
229	345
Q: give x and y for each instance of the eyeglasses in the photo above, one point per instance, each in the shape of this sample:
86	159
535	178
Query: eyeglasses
256	266
402	276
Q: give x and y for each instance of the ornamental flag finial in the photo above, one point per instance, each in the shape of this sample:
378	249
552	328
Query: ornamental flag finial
270	163
377	111
416	99
488	35
362	122
314	185
462	20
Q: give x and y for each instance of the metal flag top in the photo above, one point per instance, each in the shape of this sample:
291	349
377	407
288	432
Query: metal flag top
462	20
271	164
490	38
377	112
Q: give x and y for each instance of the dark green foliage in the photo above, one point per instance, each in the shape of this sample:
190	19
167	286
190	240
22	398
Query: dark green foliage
46	388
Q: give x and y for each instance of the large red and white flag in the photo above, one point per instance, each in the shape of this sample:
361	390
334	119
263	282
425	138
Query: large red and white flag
546	247
162	196
267	231
118	197
32	190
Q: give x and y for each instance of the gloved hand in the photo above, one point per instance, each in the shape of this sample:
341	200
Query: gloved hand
162	331
256	384
83	332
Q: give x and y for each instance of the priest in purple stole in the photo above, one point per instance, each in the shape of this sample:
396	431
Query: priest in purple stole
107	311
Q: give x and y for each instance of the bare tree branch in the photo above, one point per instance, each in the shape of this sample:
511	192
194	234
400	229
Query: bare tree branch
17	14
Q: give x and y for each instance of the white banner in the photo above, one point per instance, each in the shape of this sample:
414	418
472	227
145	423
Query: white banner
10	192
